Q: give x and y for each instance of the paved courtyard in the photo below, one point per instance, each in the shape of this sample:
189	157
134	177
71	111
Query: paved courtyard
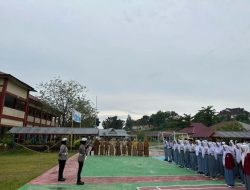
142	173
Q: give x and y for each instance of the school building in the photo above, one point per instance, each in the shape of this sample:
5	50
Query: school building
18	108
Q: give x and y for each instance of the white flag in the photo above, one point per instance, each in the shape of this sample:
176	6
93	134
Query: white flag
76	116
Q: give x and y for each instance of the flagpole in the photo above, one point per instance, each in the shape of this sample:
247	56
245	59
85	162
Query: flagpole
96	111
71	131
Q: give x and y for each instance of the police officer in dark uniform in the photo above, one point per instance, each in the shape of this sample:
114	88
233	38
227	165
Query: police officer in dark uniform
81	158
62	157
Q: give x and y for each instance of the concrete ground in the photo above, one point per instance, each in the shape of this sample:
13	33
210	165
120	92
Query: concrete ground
142	173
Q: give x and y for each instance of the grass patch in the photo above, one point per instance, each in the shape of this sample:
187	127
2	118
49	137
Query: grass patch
17	167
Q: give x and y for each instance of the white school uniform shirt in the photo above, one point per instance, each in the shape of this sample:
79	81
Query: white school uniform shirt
219	150
181	147
187	147
197	148
165	144
204	151
174	146
238	155
192	147
246	149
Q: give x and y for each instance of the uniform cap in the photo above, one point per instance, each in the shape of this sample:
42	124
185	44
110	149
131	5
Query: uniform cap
84	139
64	139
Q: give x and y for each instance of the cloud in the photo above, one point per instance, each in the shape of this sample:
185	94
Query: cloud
138	57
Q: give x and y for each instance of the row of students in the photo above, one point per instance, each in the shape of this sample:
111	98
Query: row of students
212	159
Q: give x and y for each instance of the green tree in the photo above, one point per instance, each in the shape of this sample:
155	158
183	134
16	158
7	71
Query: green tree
242	118
89	115
113	122
129	123
66	96
143	121
161	117
207	115
186	119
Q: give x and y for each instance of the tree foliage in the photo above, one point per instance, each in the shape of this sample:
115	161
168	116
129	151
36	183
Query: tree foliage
243	118
231	126
161	117
66	96
113	122
207	115
129	123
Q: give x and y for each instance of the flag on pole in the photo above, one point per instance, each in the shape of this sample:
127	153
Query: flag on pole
76	116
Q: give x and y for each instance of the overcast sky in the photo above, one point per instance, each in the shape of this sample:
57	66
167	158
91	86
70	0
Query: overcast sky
136	56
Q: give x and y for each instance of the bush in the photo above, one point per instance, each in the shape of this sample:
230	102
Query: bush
7	139
76	143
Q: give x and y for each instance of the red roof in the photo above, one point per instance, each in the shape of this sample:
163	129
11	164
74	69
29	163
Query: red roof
198	130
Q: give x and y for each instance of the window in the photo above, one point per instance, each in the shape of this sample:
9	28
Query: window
10	101
32	111
14	103
20	105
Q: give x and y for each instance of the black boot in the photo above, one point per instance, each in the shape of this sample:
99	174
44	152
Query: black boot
80	183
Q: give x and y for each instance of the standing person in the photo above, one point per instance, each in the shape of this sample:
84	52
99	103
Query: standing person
246	165
112	147
90	143
229	164
192	157
118	148
181	154
238	157
175	150
134	146
205	158
166	149
96	147
170	154
146	147
101	147
62	157
81	158
219	153
198	153
212	160
124	147
106	147
187	154
129	145
140	148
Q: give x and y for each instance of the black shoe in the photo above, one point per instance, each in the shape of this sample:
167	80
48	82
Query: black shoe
80	183
62	179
